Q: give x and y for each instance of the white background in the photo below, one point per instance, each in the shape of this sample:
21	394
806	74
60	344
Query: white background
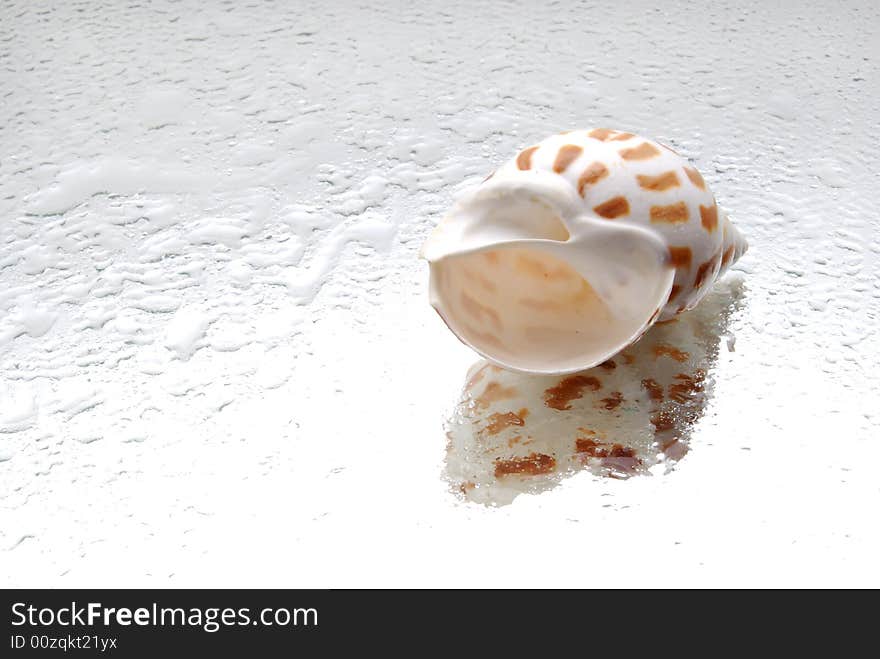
218	366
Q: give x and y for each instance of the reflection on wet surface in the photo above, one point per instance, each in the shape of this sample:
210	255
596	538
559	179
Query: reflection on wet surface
512	433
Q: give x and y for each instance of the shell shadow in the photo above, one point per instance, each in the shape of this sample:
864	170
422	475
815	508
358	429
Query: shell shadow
512	433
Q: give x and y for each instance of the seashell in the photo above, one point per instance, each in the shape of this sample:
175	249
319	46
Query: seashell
512	433
571	250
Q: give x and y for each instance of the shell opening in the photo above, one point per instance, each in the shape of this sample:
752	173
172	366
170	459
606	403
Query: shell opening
521	215
530	310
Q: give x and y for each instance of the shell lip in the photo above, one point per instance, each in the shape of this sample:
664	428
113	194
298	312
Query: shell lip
470	225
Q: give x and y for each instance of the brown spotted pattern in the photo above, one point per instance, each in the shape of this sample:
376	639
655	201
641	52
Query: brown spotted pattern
707	269
680	257
654	389
664	349
727	257
601	133
670	213
660	182
643	151
614	207
532	465
695	177
686	386
524	159
663	420
709	217
613	401
501	420
569	389
594	173
596	449
567	155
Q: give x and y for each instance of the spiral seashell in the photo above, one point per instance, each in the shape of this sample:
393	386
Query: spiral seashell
571	250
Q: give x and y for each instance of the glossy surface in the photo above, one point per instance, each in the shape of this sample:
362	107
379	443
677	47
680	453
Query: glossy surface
218	365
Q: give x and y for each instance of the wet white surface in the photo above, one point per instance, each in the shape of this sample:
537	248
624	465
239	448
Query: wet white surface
217	361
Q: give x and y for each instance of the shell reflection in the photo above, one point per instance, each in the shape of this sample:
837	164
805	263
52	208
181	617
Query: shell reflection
512	433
